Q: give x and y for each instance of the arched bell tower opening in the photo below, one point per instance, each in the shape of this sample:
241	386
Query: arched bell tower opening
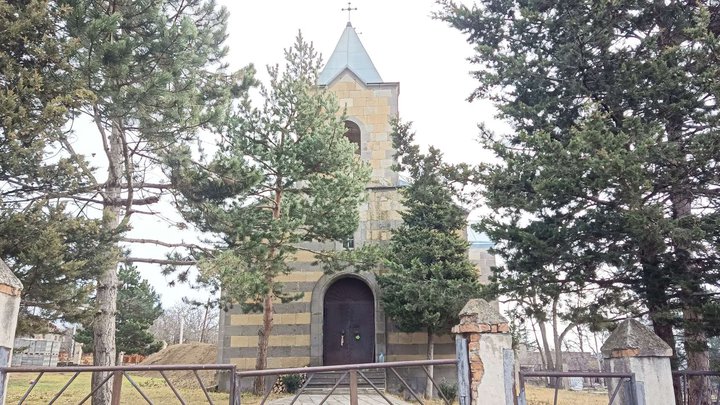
353	135
348	322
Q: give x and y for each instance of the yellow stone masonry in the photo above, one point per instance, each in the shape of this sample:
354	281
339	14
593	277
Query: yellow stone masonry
373	107
300	276
275	341
278	319
274	362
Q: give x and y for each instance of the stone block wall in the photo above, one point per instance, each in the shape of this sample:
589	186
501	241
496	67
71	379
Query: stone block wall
371	107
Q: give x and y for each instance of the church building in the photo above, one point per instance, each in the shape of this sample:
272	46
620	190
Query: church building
340	319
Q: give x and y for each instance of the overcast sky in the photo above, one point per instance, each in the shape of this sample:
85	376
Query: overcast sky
426	56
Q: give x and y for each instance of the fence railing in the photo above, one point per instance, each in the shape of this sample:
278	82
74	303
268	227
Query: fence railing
627	382
710	392
351	375
117	373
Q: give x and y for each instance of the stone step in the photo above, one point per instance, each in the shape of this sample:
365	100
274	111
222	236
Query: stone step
328	380
340	390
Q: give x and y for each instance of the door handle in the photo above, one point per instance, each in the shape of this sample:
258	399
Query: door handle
342	339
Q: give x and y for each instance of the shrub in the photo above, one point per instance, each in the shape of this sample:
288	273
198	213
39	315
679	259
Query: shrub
292	382
449	390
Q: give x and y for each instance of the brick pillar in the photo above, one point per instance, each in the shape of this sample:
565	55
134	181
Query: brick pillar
633	348
490	354
10	288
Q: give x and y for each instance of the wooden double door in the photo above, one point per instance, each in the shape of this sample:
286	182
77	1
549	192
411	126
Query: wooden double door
348	323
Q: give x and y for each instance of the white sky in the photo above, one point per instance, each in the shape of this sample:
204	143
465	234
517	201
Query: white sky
426	56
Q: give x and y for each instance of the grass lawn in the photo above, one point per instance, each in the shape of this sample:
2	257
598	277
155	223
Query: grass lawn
544	396
159	392
154	387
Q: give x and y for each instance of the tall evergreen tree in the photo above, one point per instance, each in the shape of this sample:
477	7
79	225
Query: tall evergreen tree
152	75
54	253
616	117
138	306
285	174
429	276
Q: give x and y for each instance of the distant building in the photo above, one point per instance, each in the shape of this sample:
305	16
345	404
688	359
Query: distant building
530	360
49	349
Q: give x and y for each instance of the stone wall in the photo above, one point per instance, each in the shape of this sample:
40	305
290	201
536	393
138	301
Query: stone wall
371	107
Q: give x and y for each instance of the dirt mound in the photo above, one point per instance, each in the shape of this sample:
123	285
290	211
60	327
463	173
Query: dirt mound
189	353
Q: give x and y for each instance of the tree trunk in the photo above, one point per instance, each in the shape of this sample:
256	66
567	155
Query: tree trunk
696	347
557	341
546	346
204	322
656	286
263	341
559	338
580	339
537	342
430	356
107	283
264	334
696	344
548	352
664	330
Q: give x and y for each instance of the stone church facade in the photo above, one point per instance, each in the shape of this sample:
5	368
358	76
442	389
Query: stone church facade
339	318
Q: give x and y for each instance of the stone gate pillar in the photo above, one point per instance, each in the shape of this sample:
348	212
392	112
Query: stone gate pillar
490	354
10	288
633	348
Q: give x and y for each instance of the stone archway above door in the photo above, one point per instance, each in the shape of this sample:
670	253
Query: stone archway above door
317	313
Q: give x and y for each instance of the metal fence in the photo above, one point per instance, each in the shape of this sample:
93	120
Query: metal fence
626	383
350	375
711	382
118	373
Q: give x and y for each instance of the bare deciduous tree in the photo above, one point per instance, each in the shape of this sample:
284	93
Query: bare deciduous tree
199	324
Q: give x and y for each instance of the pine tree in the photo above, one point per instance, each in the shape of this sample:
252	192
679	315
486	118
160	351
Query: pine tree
429	276
616	125
56	256
53	252
284	175
138	306
157	75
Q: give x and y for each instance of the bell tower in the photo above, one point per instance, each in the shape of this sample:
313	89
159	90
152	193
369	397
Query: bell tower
370	104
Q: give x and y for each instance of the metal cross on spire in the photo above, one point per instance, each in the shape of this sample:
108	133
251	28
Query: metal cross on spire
349	9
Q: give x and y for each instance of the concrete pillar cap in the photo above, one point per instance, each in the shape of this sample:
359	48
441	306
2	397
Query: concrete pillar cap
633	339
8	279
477	310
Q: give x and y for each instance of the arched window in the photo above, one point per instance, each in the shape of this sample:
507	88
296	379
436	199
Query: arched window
353	134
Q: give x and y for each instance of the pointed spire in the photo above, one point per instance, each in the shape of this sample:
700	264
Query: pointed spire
349	54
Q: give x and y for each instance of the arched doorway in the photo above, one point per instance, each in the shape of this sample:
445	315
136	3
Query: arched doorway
348	323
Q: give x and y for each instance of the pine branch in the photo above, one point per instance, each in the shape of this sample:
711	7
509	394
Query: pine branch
158	186
169	262
162	243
